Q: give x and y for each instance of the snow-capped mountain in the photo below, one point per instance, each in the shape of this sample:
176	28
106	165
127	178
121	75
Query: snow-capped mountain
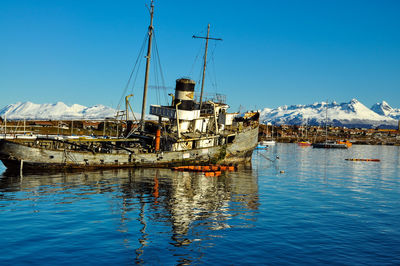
57	111
385	109
351	114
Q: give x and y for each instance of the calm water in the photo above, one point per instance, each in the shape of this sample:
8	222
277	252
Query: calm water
321	210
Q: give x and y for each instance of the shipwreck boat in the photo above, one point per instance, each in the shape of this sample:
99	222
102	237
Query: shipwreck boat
188	132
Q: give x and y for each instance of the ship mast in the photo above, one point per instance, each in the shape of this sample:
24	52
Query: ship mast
326	122
146	79
205	60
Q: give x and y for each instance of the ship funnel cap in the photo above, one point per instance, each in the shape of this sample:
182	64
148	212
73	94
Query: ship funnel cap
184	93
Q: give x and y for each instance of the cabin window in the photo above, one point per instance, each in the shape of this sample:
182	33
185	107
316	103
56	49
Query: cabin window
230	139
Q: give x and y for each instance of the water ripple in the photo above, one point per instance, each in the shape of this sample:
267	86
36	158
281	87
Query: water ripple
310	206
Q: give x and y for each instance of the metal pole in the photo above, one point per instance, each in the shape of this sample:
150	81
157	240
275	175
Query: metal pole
215	118
326	122
21	167
5	126
177	119
126	106
307	130
146	79
204	67
117	130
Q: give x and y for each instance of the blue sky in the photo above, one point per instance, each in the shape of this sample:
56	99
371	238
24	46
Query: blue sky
273	52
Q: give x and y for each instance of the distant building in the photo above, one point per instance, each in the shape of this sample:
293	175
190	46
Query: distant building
44	123
90	125
63	125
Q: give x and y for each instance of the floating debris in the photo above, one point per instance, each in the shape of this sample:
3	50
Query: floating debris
208	170
364	160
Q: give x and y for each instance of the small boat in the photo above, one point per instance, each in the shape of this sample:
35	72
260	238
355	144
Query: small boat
327	144
267	142
345	142
261	146
304	143
332	145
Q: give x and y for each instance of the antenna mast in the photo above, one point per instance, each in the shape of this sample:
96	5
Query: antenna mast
146	79
205	60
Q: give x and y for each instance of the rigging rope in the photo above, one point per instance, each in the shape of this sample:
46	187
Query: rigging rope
195	59
155	70
211	75
158	61
158	77
135	67
214	80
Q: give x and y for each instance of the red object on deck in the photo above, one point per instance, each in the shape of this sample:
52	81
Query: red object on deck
158	135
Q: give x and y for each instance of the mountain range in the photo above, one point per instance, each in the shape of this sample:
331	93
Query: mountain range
56	111
349	114
385	109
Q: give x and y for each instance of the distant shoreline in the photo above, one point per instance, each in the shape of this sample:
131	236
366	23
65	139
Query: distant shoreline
283	133
315	134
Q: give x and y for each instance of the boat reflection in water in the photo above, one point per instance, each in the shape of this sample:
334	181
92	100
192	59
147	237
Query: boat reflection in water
173	209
